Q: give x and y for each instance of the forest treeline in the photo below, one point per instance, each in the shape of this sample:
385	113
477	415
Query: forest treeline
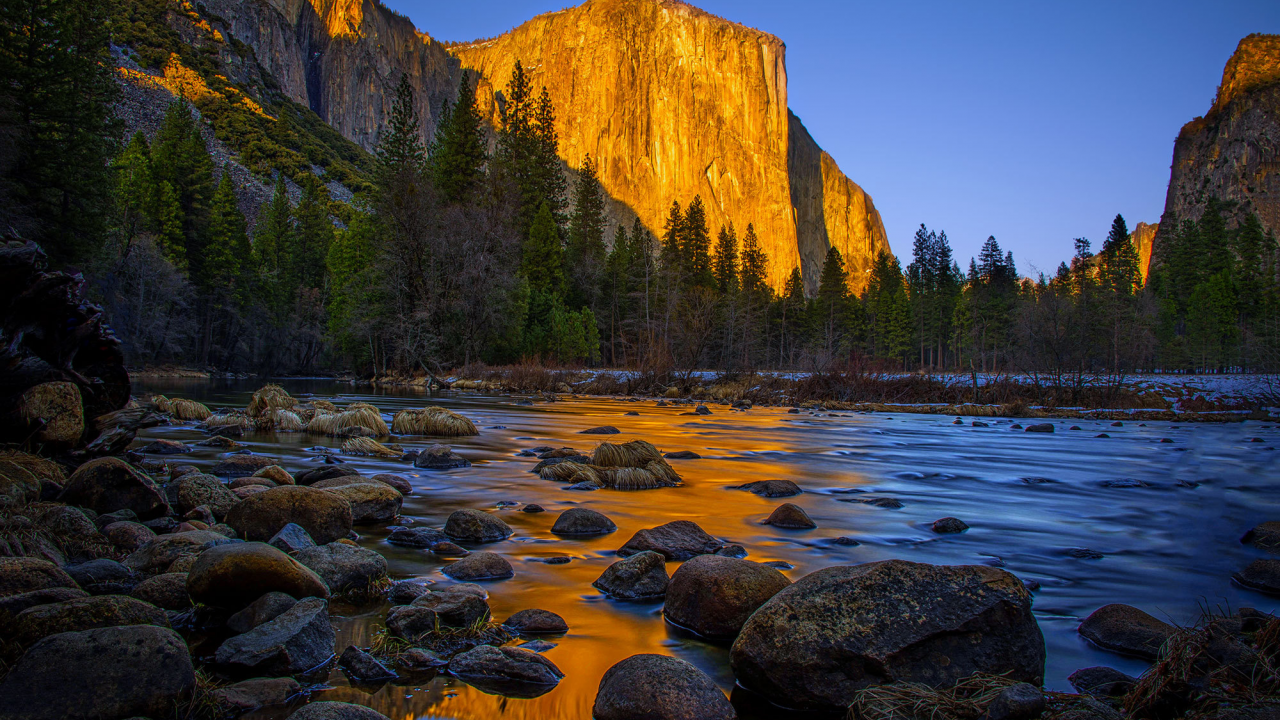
463	251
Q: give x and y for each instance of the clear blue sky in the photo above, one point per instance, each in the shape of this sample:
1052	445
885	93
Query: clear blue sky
1035	122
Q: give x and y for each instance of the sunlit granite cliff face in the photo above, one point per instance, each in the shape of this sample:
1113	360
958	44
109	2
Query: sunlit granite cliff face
673	102
670	101
1233	152
1143	238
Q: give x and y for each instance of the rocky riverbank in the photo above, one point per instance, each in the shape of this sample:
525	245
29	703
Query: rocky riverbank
213	593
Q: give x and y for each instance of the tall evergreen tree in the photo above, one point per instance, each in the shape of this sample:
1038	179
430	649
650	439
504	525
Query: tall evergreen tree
888	309
830	303
673	240
1120	259
755	265
585	250
400	148
695	245
725	266
273	238
57	130
543	256
458	155
180	158
312	236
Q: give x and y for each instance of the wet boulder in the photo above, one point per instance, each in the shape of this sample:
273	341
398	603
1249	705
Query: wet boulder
1101	681
399	482
508	670
101	674
266	608
168	591
638	577
771	488
295	641
248	695
475	526
197	490
537	622
791	517
1262	575
164	550
360	666
1265	536
326	517
659	687
165	447
439	457
371	502
275	474
417	660
455	607
329	710
344	567
1127	630
405	592
949	526
311	477
480	566
713	596
14	604
292	538
1040	428
841	629
683	455
56	409
419	537
582	521
109	484
128	536
24	574
677	540
85	613
232	576
241	465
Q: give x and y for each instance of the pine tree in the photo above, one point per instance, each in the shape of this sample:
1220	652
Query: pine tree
1120	259
135	191
166	216
228	251
180	157
672	241
57	85
272	238
695	245
400	148
543	257
527	151
755	265
888	309
550	180
312	237
830	303
458	155
585	250
726	261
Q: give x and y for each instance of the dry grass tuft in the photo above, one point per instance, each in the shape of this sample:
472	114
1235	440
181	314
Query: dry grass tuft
570	472
636	454
188	410
374	591
324	405
966	700
268	398
235	418
368	446
628	478
357	414
432	421
278	420
162	403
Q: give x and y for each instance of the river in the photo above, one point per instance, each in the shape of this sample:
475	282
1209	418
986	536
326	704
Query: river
1162	519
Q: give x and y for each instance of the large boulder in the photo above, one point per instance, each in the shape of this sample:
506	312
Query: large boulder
361	667
234	575
24	574
266	608
56	409
109	484
344	567
537	622
639	577
1262	575
838	630
196	489
168	591
86	613
1127	630
242	465
326	517
14	604
100	674
582	521
790	516
678	540
713	595
128	536
371	502
329	710
508	670
480	566
292	643
658	687
454	607
164	550
252	694
1264	535
474	526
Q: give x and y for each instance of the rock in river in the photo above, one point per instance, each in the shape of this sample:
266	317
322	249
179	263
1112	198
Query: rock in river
713	595
949	526
537	622
371	502
325	517
659	687
329	710
507	670
294	642
475	526
678	540
480	566
252	694
846	625
86	613
771	488
1262	575
791	517
458	607
197	489
109	484
268	607
344	567
583	521
638	577
232	576
360	666
1266	536
1126	629
100	674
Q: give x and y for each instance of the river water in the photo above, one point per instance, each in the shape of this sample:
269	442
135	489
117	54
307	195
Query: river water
1164	517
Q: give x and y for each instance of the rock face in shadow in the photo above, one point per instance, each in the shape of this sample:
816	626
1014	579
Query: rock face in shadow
838	630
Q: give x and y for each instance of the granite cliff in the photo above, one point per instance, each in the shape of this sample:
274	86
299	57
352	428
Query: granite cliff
1233	152
1143	238
670	101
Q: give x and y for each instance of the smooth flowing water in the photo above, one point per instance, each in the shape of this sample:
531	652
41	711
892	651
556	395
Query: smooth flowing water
1163	519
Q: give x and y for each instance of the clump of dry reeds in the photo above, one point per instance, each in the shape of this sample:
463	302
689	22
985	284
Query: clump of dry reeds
432	421
966	700
182	409
635	465
279	420
636	453
356	415
368	446
234	418
161	403
569	471
268	398
324	405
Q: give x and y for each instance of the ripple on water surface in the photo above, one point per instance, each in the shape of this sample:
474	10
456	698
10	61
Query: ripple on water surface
1060	509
